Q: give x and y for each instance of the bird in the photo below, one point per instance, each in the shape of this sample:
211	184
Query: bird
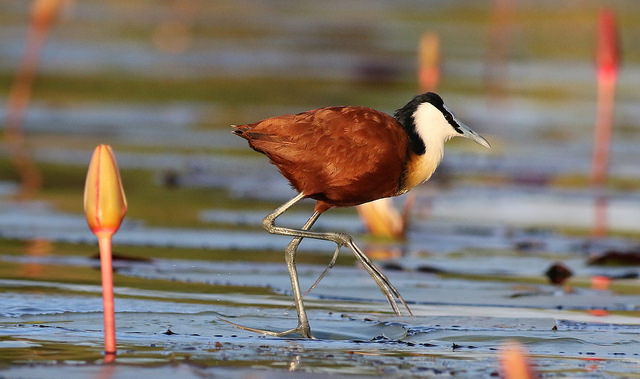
342	156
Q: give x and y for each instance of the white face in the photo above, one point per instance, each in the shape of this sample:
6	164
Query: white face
431	124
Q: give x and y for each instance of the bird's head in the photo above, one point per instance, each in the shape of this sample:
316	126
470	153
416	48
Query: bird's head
426	118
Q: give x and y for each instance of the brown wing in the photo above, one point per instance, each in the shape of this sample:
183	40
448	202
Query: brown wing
340	156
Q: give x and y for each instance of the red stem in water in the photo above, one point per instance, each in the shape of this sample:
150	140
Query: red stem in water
104	241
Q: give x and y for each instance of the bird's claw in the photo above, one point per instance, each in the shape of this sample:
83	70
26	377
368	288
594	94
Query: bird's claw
300	329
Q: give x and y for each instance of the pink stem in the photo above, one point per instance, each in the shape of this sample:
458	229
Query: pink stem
602	135
600	224
601	147
104	241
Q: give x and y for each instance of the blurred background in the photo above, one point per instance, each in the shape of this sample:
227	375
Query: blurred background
161	81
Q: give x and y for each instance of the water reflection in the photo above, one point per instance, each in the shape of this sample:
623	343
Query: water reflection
383	252
500	35
43	16
36	248
107	370
294	364
601	216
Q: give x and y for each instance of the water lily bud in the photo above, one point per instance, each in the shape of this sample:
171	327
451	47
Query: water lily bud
514	362
607	50
104	201
44	12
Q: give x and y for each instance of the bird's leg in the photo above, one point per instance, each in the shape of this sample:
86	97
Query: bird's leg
380	278
377	275
303	327
296	242
290	253
326	270
290	257
340	239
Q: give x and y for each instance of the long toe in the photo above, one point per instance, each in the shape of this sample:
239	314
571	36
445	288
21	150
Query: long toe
302	330
383	282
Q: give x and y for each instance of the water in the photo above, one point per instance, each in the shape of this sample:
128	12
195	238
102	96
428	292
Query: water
349	333
460	322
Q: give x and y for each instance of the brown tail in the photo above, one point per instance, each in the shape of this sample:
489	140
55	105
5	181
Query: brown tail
240	130
245	131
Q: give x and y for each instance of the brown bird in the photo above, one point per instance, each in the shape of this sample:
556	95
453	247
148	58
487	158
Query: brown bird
349	155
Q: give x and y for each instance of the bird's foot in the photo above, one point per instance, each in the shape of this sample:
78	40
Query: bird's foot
302	330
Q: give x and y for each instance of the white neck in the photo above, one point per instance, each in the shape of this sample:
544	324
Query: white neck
434	131
431	125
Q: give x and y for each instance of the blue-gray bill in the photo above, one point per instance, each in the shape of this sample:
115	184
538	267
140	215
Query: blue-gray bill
469	133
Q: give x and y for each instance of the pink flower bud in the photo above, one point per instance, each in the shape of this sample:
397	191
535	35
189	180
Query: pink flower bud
104	202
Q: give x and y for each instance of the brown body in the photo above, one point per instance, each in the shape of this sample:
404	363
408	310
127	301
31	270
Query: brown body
339	156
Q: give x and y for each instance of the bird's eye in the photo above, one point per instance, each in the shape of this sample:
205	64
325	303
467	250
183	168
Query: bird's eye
448	117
